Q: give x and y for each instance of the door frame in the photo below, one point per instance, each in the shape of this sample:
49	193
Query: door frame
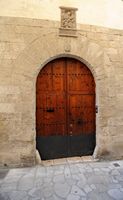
52	60
26	67
96	87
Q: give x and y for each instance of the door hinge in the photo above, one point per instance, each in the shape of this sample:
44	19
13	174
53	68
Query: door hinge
96	108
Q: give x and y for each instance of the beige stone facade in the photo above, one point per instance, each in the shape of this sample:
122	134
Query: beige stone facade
26	45
107	13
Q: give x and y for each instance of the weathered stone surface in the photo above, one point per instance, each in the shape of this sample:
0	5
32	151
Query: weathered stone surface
25	45
116	194
77	191
24	184
59	178
73	197
61	189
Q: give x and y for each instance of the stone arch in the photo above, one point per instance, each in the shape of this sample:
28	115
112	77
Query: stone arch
35	56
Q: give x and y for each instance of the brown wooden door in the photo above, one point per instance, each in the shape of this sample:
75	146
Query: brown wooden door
65	109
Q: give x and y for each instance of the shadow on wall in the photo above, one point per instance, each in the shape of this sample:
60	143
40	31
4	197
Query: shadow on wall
3	173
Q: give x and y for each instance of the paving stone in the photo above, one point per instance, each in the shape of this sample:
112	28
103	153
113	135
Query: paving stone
83	178
34	192
23	171
98	179
62	182
87	188
93	186
119	178
1	182
4	196
105	169
41	172
3	173
26	198
62	190
8	187
121	171
31	171
38	182
47	191
26	183
73	197
50	184
81	184
96	170
100	173
114	186
80	165
121	183
76	177
99	164
67	171
115	172
17	195
67	176
54	197
101	187
49	171
98	196
121	189
77	191
70	181
47	179
58	169
59	178
35	198
116	194
90	170
83	198
74	169
120	162
88	175
104	196
82	170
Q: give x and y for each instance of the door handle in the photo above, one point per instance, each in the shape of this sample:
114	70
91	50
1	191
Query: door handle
96	108
79	121
50	110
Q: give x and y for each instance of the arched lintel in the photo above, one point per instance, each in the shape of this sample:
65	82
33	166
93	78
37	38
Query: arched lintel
63	55
49	47
43	50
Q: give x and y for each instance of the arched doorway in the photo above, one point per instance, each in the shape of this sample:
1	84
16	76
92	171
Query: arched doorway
65	109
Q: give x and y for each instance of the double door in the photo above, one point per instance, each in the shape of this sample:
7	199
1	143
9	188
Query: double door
65	109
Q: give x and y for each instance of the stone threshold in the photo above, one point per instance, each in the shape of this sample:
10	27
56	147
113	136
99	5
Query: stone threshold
69	160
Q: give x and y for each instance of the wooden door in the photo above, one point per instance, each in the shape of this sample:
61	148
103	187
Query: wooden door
65	109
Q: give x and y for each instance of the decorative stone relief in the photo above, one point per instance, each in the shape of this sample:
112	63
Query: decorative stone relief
68	21
67	46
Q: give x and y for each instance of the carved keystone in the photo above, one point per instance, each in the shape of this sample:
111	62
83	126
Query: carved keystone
68	22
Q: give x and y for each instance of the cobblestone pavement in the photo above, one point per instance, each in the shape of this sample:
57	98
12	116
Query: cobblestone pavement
70	181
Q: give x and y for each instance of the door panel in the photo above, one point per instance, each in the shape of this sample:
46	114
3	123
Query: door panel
51	100
58	74
65	109
75	115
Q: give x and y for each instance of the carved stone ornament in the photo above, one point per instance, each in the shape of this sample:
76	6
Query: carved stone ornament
68	21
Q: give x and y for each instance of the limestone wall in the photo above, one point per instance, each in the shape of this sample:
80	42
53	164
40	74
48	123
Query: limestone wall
26	45
107	13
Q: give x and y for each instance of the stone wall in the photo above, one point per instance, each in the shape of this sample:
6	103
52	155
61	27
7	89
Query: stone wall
107	13
26	45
